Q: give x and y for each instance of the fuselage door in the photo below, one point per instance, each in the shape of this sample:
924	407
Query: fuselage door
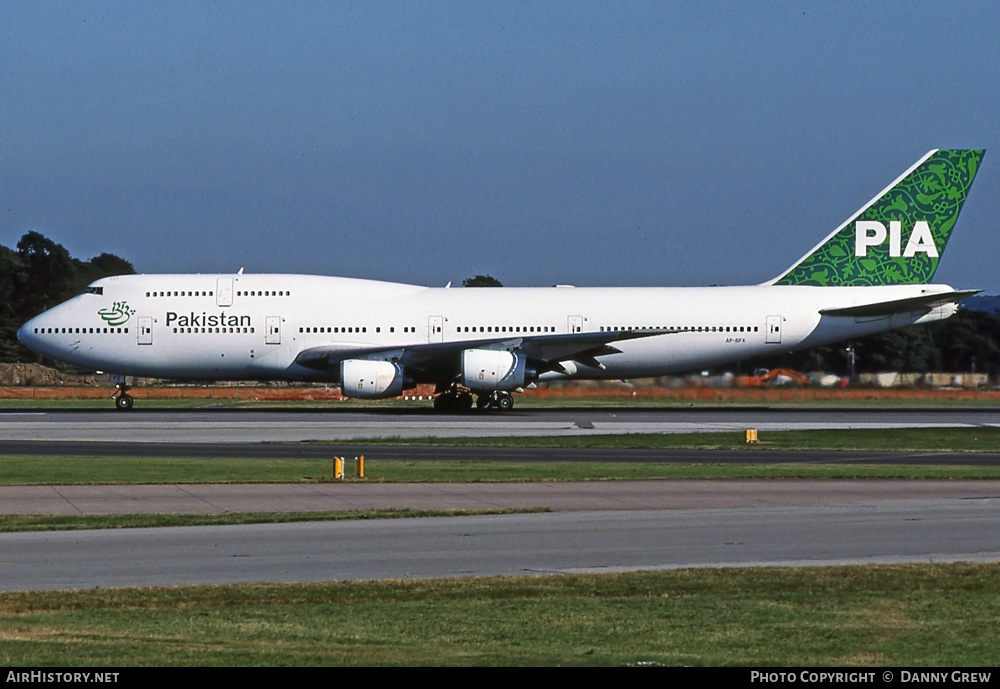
224	292
574	324
773	333
272	326
435	328
145	329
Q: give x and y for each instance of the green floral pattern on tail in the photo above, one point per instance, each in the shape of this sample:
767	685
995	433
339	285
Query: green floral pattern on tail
933	193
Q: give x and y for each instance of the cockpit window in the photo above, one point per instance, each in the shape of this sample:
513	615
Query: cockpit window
93	290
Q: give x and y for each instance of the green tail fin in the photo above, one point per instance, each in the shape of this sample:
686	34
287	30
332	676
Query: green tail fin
899	236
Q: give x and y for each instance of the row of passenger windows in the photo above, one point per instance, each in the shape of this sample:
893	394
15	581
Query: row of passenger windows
180	294
544	329
210	293
352	329
506	329
80	331
192	331
411	329
684	328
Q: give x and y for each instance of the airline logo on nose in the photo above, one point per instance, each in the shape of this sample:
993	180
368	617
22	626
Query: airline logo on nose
868	233
118	314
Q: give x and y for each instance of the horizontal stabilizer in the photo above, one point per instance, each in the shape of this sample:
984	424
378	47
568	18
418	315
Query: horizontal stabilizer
924	302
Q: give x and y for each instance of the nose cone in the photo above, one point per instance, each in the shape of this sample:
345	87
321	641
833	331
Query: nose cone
29	336
26	334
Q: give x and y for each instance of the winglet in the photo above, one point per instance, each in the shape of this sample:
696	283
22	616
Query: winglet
898	237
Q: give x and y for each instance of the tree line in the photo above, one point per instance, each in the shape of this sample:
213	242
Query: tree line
967	342
39	273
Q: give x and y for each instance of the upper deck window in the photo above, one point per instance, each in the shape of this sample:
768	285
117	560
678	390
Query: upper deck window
93	290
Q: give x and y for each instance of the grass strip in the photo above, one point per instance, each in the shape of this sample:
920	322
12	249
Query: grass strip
42	470
963	439
31	470
879	615
58	522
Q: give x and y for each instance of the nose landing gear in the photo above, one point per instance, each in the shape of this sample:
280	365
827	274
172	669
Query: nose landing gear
123	400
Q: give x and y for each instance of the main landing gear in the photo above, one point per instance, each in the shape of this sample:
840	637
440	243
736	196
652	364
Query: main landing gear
453	399
504	401
123	400
459	399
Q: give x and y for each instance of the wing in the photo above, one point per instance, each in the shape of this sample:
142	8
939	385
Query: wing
441	358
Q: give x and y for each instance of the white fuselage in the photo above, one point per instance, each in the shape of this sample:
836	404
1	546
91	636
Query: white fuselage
252	327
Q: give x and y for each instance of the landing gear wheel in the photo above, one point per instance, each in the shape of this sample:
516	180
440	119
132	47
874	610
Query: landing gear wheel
505	401
123	400
484	402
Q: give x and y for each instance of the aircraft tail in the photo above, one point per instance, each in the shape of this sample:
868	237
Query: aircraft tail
898	237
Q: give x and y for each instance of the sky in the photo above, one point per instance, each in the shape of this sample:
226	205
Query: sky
587	143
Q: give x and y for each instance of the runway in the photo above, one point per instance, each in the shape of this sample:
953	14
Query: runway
337	424
594	526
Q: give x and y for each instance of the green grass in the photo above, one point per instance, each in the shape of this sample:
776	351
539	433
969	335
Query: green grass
52	522
45	470
40	470
974	439
899	615
58	470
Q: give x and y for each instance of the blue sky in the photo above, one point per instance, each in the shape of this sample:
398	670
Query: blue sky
586	143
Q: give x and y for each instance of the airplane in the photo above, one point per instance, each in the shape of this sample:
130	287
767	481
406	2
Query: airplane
477	346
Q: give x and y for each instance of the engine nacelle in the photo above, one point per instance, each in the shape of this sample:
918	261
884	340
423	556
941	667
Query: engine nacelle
370	379
487	370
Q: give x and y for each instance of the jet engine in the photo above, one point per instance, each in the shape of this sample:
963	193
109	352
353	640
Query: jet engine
488	370
370	379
